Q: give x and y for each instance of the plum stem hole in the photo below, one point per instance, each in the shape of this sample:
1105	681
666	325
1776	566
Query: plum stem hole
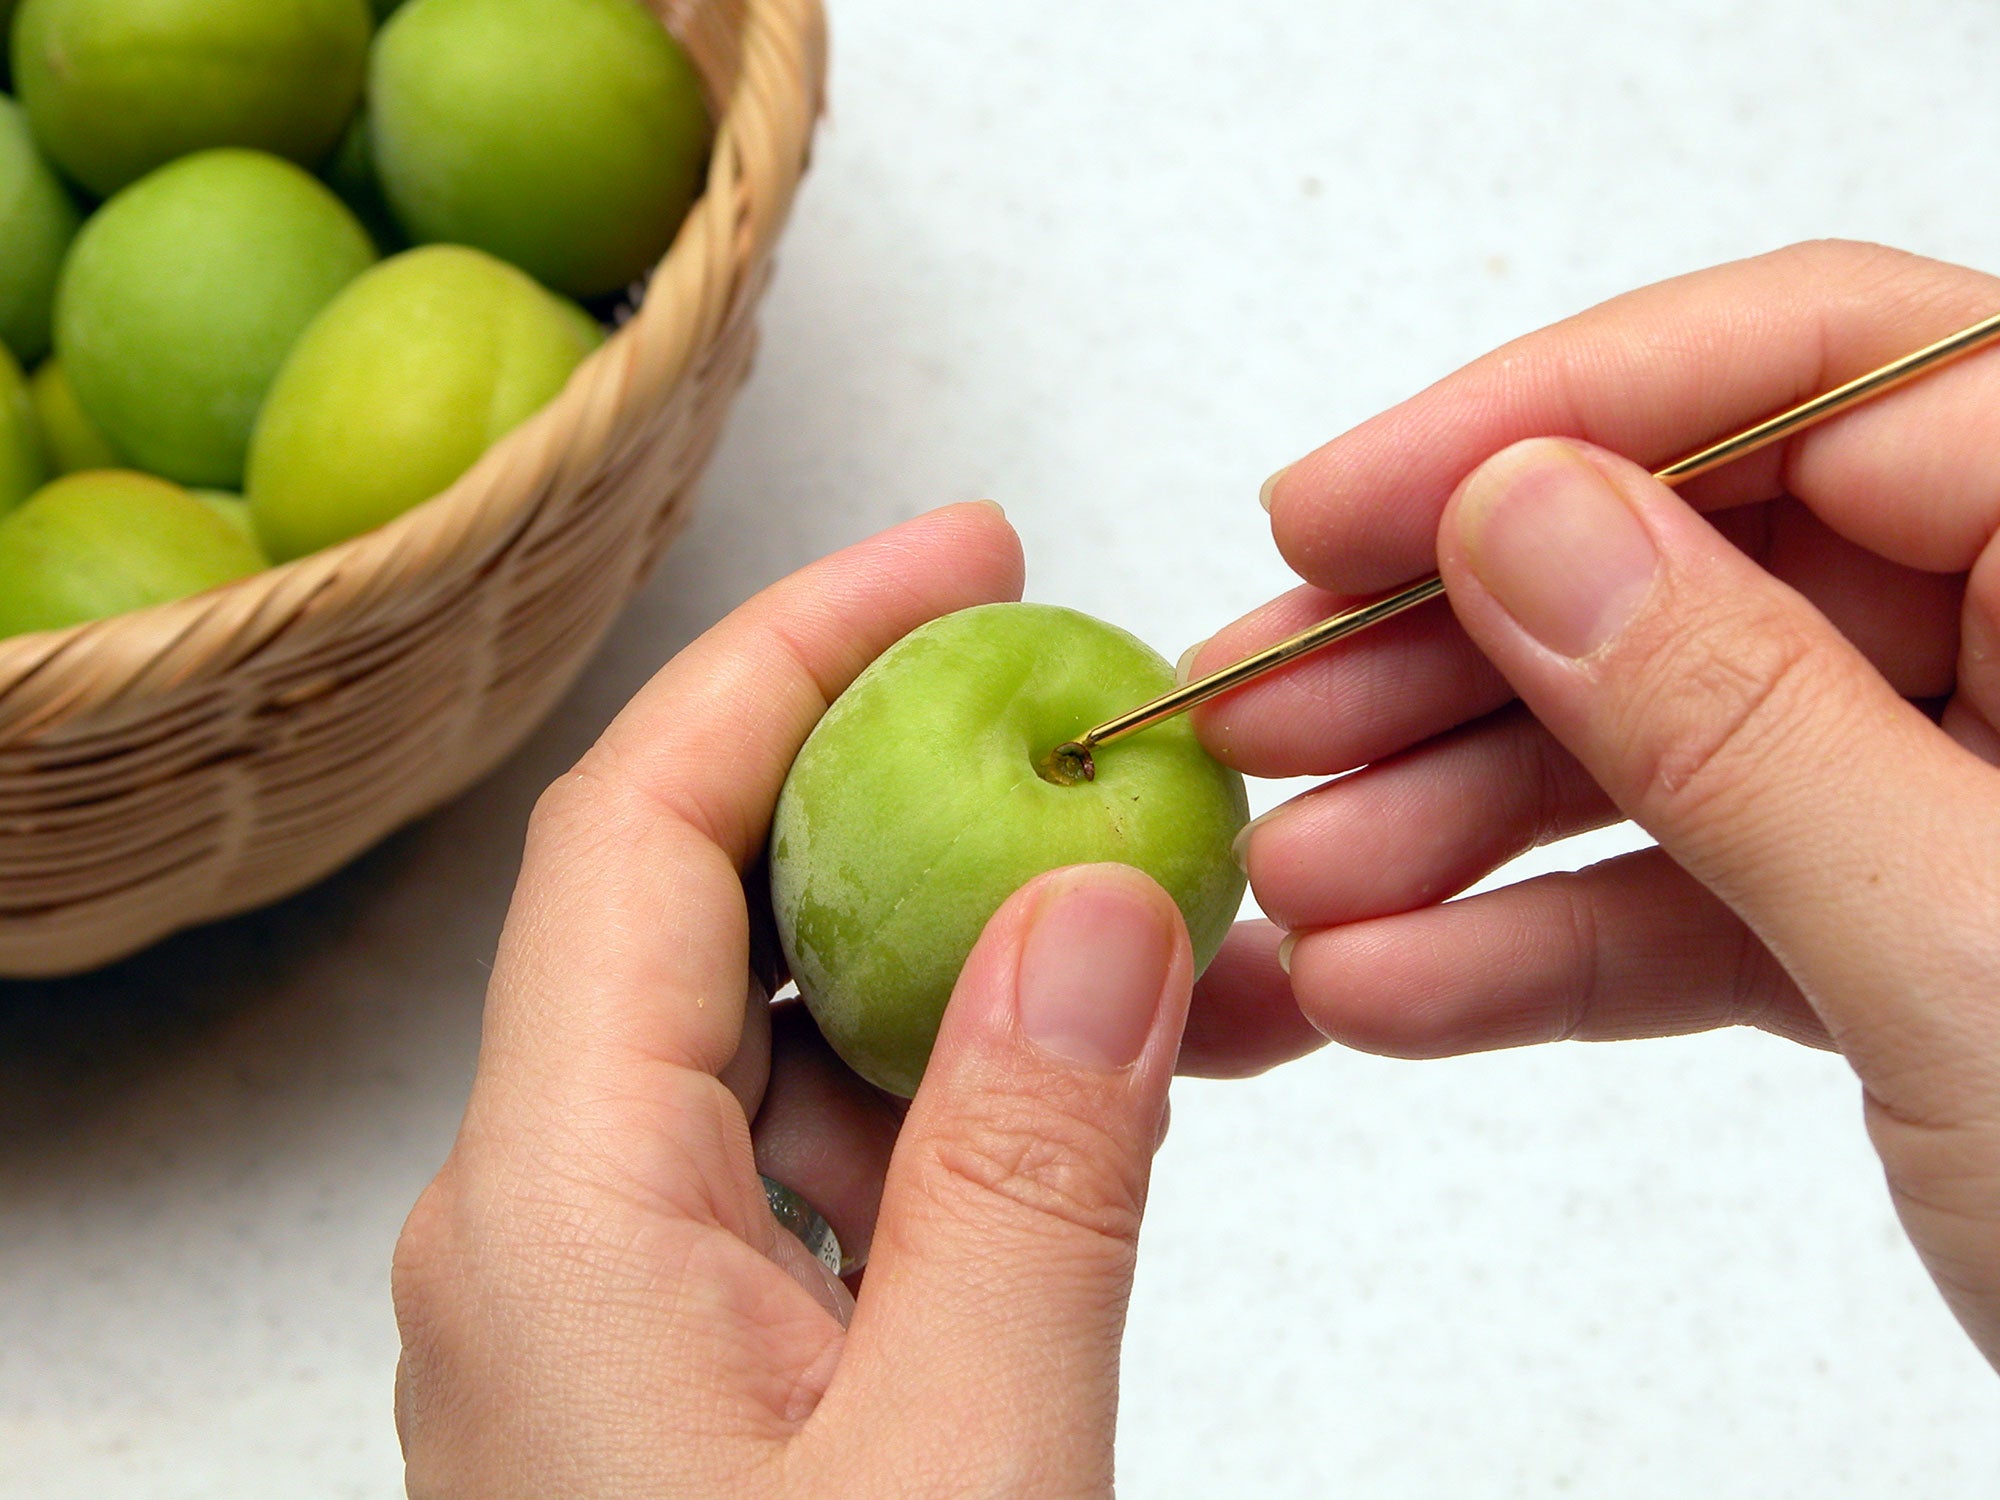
1066	765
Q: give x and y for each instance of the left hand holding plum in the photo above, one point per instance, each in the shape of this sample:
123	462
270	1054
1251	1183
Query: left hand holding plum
594	1297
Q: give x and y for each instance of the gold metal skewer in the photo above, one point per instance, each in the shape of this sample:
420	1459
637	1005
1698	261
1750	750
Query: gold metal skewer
1072	762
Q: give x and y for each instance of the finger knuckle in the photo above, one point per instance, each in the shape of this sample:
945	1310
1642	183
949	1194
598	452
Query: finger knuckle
1717	706
425	1263
426	1281
1757	983
1581	934
1940	1161
1041	1169
552	1192
1554	783
1833	257
704	1142
567	804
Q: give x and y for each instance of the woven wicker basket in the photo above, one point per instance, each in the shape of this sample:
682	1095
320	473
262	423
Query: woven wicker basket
206	757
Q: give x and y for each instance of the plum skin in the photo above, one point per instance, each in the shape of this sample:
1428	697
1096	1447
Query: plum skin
38	220
103	542
116	88
569	137
399	387
183	296
915	809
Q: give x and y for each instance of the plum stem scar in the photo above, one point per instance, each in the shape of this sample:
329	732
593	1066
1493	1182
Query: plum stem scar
1066	765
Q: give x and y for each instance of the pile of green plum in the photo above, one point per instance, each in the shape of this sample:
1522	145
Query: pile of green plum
283	269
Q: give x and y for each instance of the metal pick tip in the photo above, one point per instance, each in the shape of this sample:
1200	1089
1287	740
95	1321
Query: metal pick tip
1068	764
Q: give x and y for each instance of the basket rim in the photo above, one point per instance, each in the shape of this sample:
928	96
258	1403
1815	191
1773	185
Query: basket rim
456	531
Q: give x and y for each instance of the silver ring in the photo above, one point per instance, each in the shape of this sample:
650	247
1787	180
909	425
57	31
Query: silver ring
800	1218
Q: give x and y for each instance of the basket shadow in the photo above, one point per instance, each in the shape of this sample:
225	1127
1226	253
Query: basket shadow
71	1047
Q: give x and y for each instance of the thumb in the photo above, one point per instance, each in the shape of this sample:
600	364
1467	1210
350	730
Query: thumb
1731	719
1004	1252
1728	717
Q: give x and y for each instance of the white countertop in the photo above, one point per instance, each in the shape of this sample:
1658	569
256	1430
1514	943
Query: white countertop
1111	264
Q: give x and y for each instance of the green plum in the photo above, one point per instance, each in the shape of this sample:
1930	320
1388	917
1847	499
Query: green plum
100	543
184	294
23	462
235	510
70	438
37	222
399	386
921	803
566	136
116	88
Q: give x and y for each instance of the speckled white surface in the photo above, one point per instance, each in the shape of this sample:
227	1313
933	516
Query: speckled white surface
1111	264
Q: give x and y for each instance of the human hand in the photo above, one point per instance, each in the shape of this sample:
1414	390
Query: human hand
594	1297
1800	701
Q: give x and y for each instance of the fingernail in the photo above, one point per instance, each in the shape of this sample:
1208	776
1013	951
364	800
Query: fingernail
1094	969
1240	845
1184	668
1552	539
1264	494
995	506
1285	947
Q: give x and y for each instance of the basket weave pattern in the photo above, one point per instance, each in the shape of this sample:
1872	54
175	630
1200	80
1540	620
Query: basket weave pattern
209	756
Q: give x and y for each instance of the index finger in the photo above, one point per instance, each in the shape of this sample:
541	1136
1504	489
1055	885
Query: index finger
1651	375
626	954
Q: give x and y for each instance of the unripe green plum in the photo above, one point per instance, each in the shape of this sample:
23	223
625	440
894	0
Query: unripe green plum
235	510
37	222
23	463
104	542
920	804
399	386
116	88
566	136
69	438
183	296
